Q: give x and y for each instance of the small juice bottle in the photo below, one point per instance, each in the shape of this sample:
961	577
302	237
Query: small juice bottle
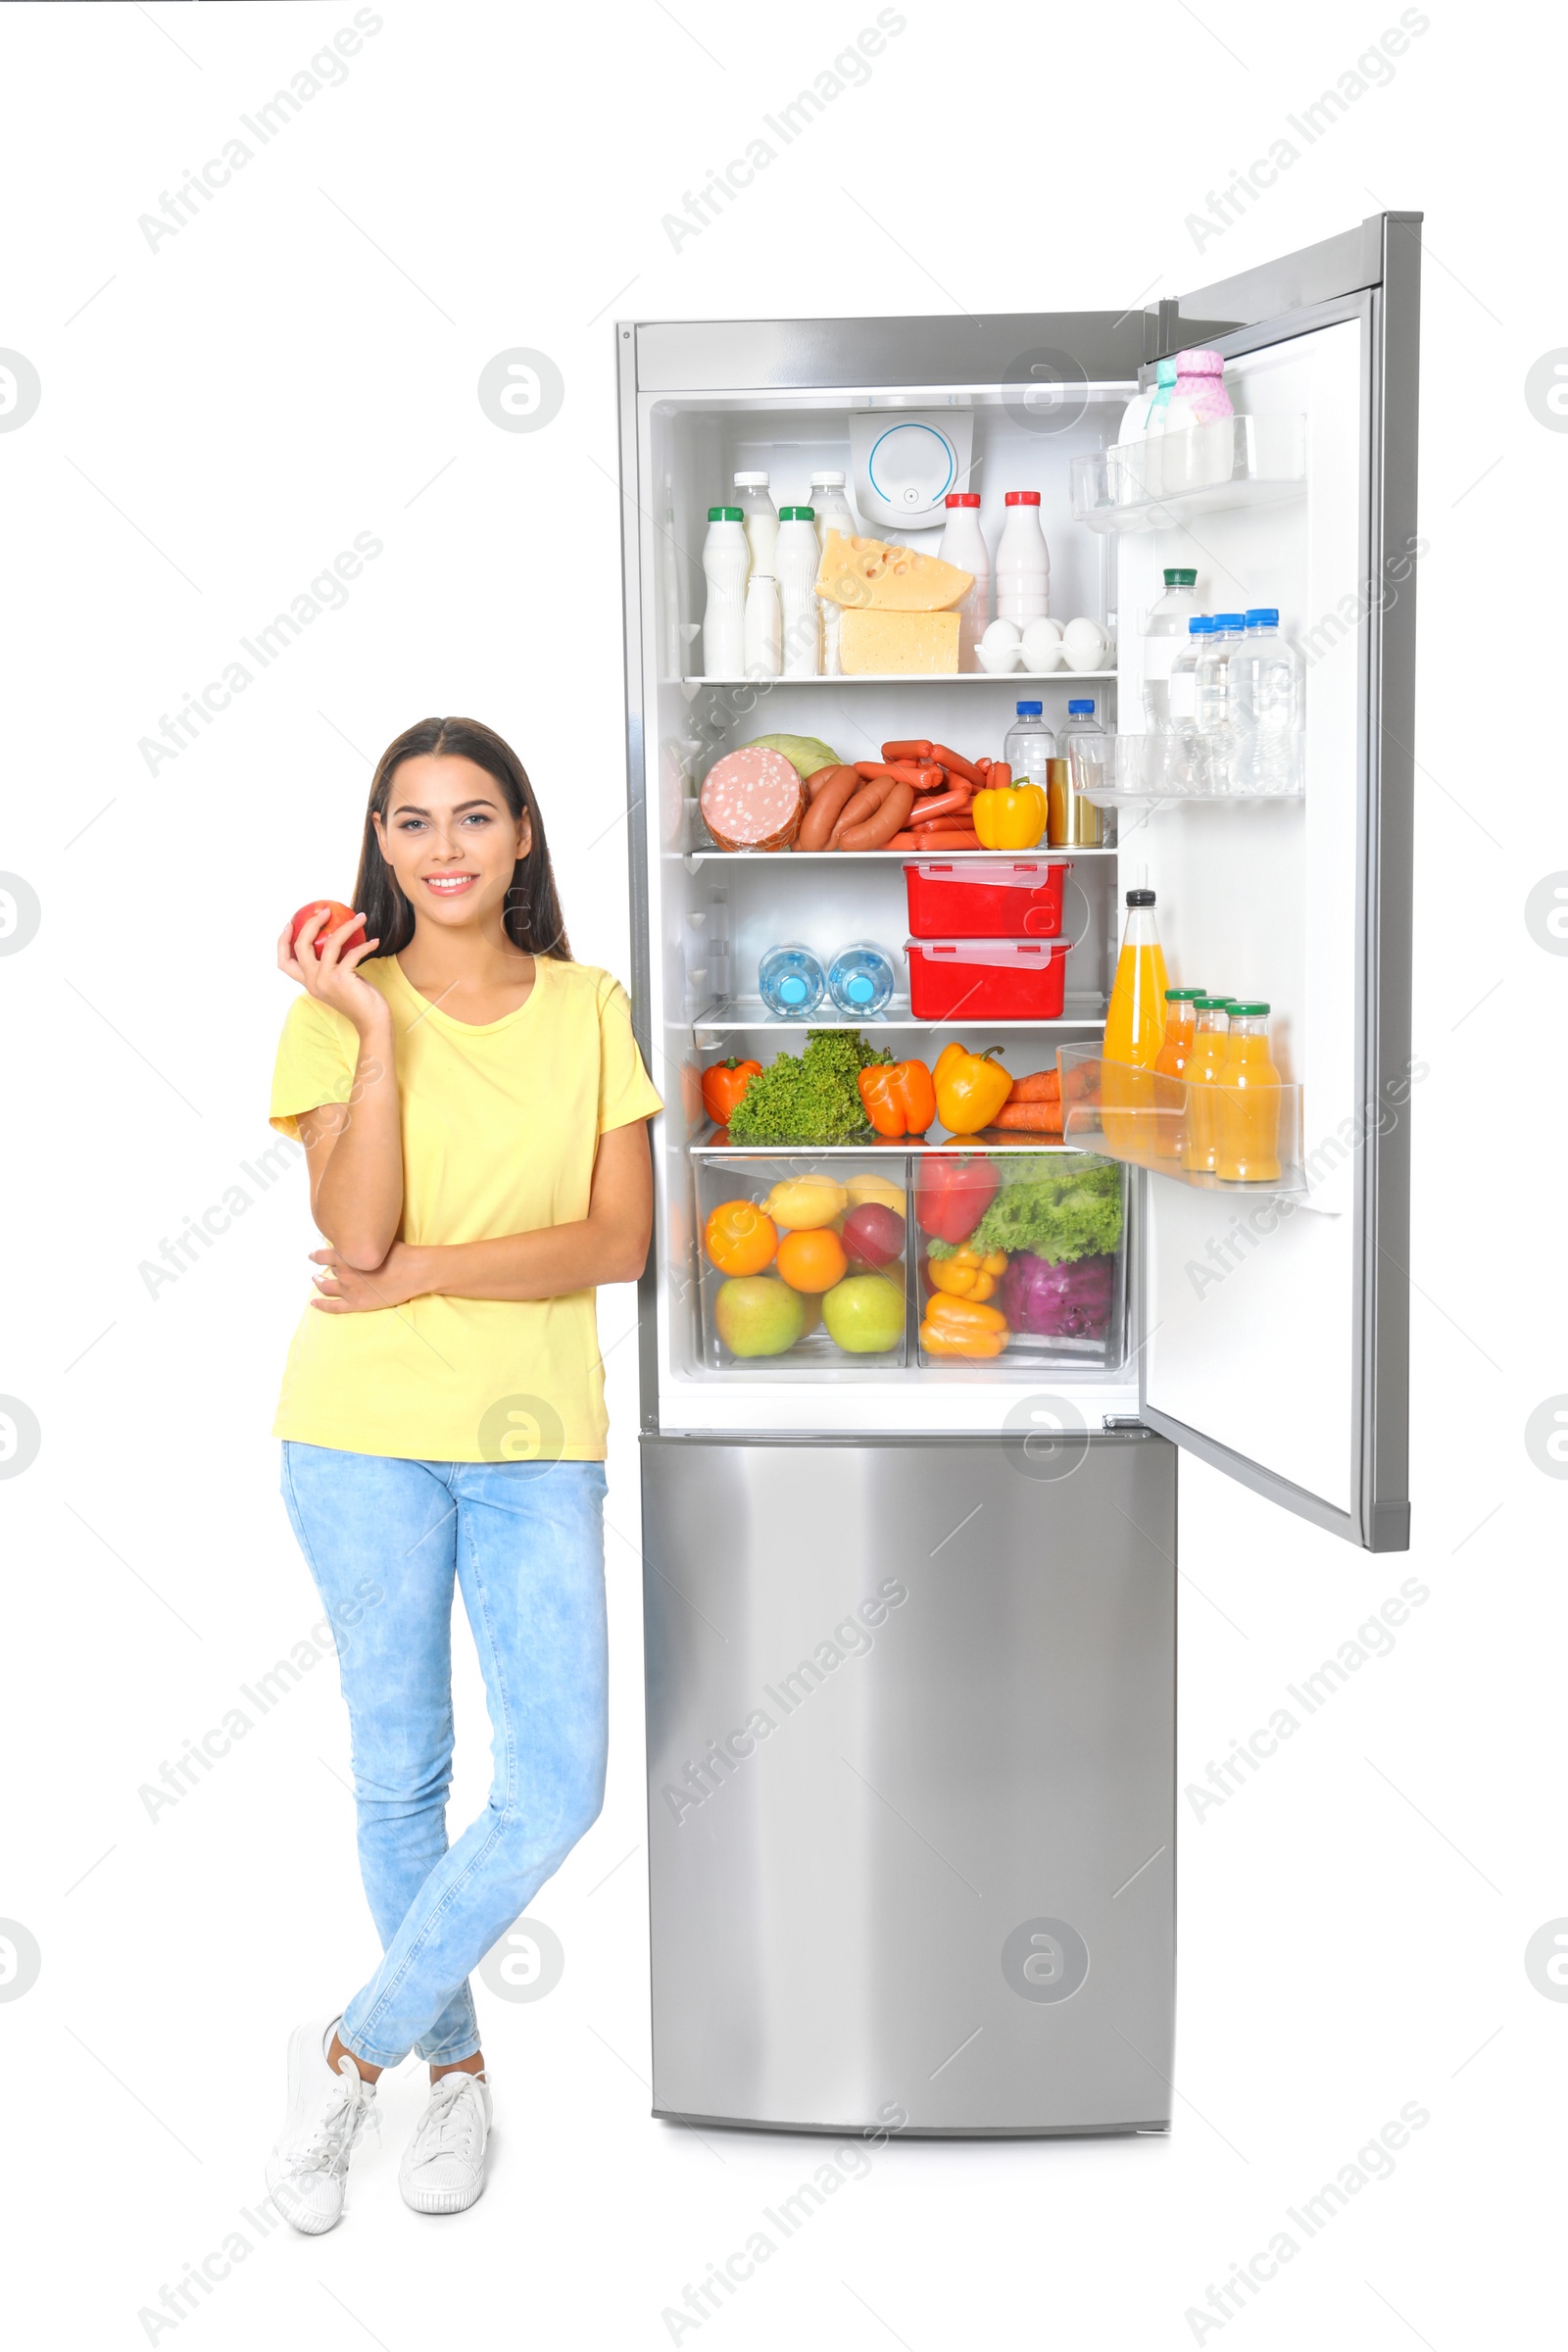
1134	1027
1246	1122
1205	1067
1170	1061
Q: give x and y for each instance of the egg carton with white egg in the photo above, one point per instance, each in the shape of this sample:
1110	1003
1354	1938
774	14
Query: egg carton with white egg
1042	646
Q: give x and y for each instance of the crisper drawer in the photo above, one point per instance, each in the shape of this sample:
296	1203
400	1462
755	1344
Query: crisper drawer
804	1266
986	898
1021	1259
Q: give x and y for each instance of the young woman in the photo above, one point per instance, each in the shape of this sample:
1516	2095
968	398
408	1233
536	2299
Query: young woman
472	1105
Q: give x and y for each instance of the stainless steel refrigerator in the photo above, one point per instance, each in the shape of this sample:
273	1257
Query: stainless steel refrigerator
910	1617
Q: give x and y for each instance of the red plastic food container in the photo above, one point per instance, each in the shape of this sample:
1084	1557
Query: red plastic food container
980	979
986	898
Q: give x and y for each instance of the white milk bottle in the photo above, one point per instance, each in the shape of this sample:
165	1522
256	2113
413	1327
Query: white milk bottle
1023	562
796	558
831	508
764	628
964	543
727	561
762	518
1142	418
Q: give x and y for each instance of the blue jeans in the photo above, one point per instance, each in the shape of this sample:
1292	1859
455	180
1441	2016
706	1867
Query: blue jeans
384	1540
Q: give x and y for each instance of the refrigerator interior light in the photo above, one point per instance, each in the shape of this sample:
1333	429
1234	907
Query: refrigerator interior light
905	467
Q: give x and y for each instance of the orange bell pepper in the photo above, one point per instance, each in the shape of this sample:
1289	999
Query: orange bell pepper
970	1088
968	1274
724	1084
964	1314
976	1345
963	1327
899	1095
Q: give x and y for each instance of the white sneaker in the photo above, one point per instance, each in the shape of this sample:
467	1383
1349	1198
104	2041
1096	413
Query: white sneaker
443	2165
307	2171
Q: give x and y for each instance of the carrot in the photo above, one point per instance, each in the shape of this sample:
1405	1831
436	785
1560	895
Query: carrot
952	761
1037	1118
1039	1086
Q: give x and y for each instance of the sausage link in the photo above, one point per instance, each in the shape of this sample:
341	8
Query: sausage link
828	806
876	831
951	762
913	750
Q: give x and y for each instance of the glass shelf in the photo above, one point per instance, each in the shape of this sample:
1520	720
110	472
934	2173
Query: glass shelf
1142	1118
1137	774
889	858
990	1139
1158	484
1064	676
750	1012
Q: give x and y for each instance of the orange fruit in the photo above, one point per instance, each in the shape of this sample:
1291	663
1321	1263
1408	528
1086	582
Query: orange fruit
812	1259
739	1237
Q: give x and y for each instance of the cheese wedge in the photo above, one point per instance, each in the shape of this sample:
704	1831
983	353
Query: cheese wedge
866	575
874	643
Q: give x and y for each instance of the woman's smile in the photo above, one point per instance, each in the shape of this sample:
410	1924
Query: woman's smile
449	886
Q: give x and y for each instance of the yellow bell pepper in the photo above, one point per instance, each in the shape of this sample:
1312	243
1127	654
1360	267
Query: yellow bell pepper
1011	818
970	1089
973	1344
968	1274
963	1327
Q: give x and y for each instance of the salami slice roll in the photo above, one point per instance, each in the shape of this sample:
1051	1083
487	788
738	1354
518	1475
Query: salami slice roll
751	800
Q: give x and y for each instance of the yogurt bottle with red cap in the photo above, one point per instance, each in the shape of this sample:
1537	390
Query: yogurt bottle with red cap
964	543
1023	562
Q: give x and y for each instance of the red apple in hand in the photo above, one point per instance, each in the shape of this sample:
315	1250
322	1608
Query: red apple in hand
873	1235
336	914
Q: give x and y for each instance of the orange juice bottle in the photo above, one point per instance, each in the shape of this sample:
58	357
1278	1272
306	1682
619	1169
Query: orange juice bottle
1170	1061
1135	1028
1206	1068
1246	1107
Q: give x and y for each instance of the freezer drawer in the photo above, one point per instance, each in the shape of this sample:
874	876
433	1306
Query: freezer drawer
910	1734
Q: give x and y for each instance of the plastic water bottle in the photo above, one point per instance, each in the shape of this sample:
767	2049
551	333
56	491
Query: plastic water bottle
726	559
1220	720
798	557
1164	638
1029	747
1271	694
860	979
1182	763
790	980
1087	747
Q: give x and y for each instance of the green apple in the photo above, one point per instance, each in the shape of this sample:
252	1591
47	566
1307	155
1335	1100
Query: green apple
756	1314
865	1314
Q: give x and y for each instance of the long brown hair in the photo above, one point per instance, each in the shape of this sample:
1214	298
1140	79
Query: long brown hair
532	916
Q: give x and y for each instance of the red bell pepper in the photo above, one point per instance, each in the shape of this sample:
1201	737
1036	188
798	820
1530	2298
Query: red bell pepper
899	1095
953	1192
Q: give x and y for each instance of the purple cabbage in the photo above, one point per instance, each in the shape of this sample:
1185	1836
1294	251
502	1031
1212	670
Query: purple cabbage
1069	1302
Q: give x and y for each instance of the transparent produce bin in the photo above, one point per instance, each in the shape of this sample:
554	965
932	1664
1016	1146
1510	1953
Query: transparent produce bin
1151	485
1037	1241
756	1312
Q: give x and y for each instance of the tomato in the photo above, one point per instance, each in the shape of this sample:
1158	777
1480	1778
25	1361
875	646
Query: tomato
336	916
739	1237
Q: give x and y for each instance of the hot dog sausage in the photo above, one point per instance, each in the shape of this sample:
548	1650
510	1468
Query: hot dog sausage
920	750
828	807
951	762
944	804
876	831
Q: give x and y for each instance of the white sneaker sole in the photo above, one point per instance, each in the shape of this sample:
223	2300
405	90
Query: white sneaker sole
440	2200
303	2065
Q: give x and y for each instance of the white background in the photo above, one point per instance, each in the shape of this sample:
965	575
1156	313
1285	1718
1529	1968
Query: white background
299	365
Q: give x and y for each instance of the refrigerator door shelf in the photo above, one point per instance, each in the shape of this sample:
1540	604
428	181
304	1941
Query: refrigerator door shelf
1150	771
1158	484
1150	1116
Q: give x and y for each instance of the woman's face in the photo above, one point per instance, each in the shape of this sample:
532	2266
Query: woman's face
451	841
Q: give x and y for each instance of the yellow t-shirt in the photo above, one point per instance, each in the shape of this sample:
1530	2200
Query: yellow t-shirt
499	1125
